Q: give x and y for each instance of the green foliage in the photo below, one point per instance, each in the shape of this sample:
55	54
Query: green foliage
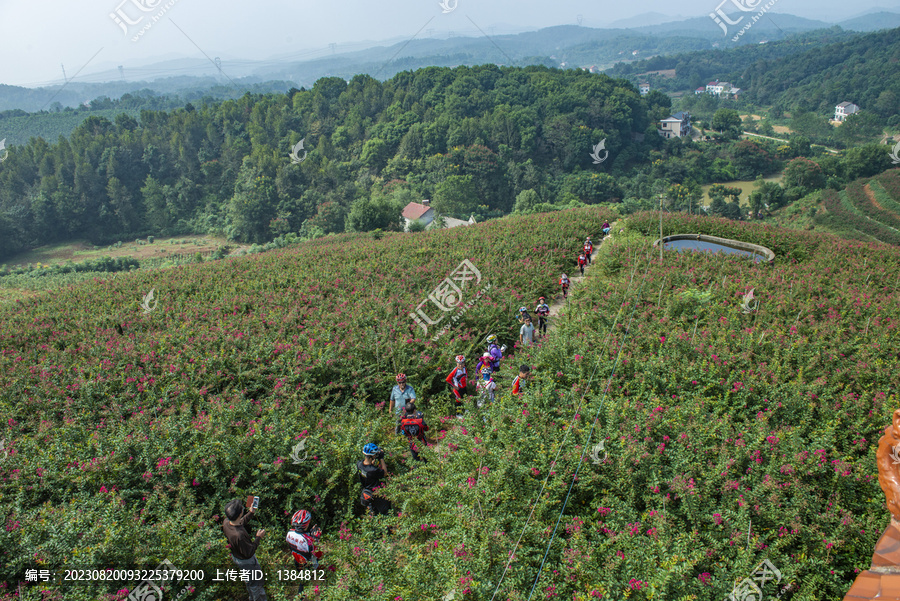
416	225
456	196
593	188
715	423
526	201
727	121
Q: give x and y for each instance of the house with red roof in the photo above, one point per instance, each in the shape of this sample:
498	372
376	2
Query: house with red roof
415	211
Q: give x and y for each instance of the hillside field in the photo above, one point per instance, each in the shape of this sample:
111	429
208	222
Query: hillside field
731	436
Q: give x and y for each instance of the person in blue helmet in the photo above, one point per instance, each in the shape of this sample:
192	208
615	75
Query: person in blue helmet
371	471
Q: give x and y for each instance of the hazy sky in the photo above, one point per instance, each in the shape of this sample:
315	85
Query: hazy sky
39	35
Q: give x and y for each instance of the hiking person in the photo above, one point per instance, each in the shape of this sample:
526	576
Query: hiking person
401	394
523	314
243	546
520	382
564	283
302	539
412	425
588	250
581	262
606	228
371	471
543	312
457	382
484	361
526	333
486	387
495	351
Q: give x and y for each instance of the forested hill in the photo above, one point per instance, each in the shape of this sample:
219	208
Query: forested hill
864	70
809	72
482	133
694	69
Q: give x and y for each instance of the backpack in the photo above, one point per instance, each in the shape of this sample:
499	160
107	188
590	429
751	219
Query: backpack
413	426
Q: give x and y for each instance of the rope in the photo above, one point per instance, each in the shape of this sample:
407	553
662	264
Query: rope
568	428
588	441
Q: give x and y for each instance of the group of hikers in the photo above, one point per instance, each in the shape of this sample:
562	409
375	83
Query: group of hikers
302	537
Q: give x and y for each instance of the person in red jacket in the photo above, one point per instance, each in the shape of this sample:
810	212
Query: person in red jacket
588	249
412	425
564	283
457	382
581	263
518	386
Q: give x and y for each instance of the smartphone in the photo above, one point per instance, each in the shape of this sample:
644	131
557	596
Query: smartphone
255	503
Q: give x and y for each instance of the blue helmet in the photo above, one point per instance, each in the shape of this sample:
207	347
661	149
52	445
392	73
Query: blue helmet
370	449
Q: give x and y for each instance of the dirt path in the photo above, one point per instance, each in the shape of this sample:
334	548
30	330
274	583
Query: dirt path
559	300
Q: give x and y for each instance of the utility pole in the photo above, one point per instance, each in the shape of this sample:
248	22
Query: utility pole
66	79
660	229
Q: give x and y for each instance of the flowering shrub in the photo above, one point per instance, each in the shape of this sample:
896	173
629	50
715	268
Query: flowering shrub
123	447
729	437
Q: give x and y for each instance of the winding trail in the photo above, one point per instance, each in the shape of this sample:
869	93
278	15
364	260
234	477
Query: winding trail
559	300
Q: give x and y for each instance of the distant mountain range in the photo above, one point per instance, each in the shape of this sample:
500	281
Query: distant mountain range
564	46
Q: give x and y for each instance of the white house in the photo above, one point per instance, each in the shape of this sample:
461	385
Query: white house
644	88
700	90
451	222
676	126
844	110
718	87
415	211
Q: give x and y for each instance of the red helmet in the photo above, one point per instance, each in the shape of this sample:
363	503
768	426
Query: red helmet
460	359
301	520
542	298
401	378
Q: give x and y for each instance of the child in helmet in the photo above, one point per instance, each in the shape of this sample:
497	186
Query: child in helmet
564	283
484	361
581	262
457	382
588	249
302	539
486	387
543	312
